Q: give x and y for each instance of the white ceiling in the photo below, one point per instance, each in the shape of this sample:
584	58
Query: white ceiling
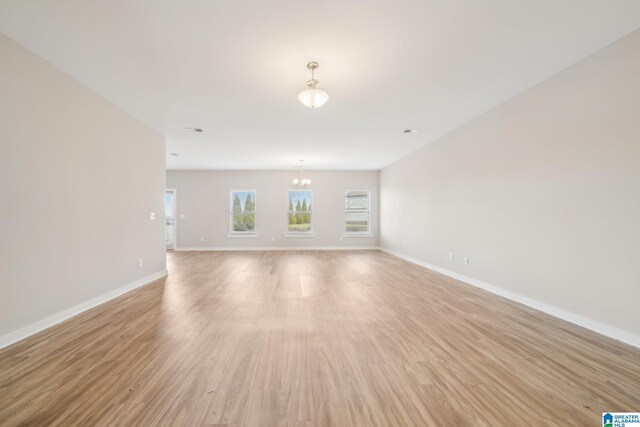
235	67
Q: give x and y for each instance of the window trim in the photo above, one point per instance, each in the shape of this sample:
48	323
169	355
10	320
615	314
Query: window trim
367	233
288	233
252	233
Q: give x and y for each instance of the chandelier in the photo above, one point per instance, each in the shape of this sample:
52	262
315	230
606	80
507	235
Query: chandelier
301	182
313	97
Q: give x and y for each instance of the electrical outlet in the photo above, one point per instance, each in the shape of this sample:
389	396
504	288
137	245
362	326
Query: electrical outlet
450	256
404	244
152	216
466	260
140	263
202	239
273	239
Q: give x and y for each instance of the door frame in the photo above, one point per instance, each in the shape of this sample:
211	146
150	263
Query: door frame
174	237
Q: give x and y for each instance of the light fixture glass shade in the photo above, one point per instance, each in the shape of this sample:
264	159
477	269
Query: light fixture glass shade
313	98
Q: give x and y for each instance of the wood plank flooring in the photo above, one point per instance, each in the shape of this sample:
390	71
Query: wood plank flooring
313	338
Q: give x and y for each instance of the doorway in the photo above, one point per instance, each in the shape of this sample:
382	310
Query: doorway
170	215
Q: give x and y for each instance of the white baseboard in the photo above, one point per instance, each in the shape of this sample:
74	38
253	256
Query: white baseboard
569	316
47	322
278	248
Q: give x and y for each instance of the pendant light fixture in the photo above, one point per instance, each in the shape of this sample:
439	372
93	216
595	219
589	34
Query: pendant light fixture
313	97
301	182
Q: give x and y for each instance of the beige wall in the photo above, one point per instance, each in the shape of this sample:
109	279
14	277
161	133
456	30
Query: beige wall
203	197
78	177
542	194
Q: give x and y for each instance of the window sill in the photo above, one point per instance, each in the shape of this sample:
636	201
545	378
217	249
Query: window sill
242	235
356	235
300	234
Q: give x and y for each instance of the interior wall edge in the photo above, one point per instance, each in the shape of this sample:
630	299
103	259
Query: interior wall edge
49	321
577	319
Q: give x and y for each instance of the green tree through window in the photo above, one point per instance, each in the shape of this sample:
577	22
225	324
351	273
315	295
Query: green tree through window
299	213
243	211
249	214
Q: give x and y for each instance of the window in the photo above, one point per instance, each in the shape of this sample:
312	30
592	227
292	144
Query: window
243	211
300	212
356	211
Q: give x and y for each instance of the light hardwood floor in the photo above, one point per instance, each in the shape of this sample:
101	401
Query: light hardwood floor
344	338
